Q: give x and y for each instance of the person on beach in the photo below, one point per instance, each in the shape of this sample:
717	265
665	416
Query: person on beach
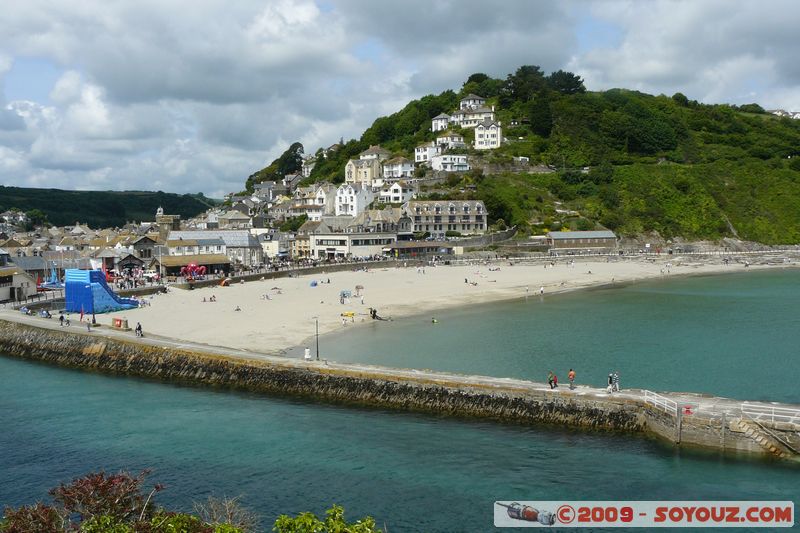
555	381
550	379
615	379
571	377
541	289
610	383
61	320
138	329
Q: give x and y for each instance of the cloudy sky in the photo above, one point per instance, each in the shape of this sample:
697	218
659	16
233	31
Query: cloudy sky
195	95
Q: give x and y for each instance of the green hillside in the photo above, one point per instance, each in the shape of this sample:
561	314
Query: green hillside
100	209
625	160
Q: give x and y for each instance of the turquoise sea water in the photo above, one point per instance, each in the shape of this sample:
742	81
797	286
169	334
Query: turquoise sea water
416	472
736	335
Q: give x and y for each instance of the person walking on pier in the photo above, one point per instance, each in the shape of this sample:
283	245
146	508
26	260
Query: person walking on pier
571	377
615	381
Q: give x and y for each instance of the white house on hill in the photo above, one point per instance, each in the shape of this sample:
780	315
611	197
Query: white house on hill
397	167
440	122
450	163
375	152
472	101
471	117
424	152
353	199
488	135
449	140
398	192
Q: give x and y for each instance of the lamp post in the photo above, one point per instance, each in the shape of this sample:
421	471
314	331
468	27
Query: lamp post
316	334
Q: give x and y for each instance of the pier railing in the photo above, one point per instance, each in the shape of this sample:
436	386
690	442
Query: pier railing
762	413
661	402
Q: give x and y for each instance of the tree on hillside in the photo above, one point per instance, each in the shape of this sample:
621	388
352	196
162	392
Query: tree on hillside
289	162
565	82
540	114
37	218
522	85
680	99
478	77
482	85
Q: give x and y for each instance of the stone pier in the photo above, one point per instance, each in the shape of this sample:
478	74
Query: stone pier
767	429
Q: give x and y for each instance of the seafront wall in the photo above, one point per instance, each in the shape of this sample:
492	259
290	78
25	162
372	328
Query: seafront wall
449	395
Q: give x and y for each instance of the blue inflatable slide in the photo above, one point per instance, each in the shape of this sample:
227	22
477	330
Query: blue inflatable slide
86	291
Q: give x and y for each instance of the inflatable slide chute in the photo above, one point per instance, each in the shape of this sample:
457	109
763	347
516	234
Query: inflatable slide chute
86	291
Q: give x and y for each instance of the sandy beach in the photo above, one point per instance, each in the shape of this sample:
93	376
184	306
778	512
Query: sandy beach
279	314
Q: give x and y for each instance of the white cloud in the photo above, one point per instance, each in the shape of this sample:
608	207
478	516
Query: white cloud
711	50
195	96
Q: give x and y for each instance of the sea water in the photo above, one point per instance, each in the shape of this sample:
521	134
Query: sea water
418	472
734	335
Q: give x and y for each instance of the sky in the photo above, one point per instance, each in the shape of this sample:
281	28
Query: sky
196	95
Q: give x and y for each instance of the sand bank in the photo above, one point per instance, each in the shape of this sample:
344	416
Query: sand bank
277	315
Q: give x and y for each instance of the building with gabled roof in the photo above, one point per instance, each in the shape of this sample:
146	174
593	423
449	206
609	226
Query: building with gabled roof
240	245
488	135
472	101
375	152
440	122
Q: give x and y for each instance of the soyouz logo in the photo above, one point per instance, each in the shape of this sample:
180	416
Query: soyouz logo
644	514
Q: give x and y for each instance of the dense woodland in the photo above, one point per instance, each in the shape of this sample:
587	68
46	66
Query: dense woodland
624	160
100	209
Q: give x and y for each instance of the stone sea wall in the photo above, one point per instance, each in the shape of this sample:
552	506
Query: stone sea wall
376	387
83	351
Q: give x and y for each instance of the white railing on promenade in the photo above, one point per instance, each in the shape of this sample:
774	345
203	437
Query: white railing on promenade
763	412
661	402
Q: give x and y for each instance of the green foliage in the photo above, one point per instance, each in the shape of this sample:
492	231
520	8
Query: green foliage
751	108
292	224
101	209
540	114
565	82
37	217
105	524
334	523
289	162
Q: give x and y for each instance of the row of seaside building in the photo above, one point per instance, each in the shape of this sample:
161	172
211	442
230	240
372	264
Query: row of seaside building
165	247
